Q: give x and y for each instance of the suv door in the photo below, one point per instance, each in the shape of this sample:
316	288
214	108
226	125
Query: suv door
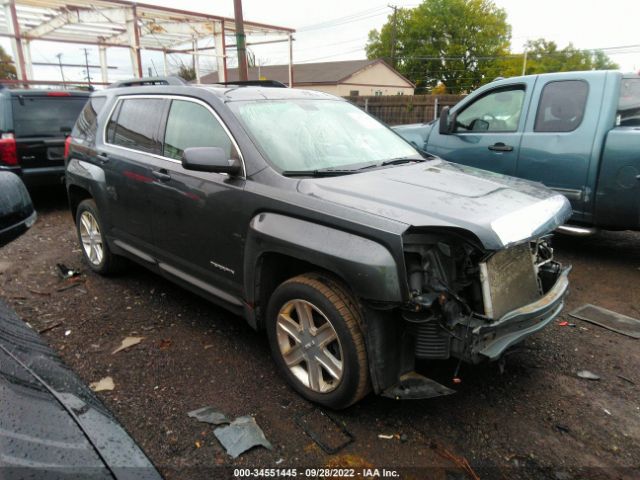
198	222
487	131
131	145
559	141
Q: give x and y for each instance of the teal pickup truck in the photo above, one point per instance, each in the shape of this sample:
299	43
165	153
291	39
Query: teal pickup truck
576	132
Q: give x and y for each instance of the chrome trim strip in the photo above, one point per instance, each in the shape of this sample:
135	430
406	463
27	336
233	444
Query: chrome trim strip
171	97
570	193
577	231
200	284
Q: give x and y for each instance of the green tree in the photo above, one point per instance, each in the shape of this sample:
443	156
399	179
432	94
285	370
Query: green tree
544	56
455	42
187	73
7	68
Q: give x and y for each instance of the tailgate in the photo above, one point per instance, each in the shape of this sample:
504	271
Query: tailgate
40	152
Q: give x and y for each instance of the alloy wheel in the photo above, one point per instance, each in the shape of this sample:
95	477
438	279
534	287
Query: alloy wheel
91	237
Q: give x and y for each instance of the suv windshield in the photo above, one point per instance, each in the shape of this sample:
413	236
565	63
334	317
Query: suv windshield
308	135
629	105
43	116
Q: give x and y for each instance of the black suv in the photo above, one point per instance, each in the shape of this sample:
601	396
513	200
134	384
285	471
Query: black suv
33	128
317	223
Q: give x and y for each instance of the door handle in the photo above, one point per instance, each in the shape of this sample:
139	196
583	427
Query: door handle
162	175
102	158
500	147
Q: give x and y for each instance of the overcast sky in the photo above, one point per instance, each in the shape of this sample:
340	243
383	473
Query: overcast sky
337	30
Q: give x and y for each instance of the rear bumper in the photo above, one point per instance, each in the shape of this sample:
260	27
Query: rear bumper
10	233
35	177
491	340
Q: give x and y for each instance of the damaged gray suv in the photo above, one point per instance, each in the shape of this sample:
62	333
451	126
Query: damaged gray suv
318	224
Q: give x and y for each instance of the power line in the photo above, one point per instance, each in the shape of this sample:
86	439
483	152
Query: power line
343	20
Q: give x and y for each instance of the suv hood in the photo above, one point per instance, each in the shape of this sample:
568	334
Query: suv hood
497	209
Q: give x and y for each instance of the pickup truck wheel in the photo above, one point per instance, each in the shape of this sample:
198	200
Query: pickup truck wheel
315	337
94	247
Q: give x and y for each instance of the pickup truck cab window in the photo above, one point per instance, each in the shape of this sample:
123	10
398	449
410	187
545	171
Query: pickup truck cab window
629	104
497	111
190	124
135	124
562	105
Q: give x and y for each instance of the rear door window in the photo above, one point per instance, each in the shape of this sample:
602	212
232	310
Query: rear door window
629	104
562	105
45	116
135	124
85	127
190	124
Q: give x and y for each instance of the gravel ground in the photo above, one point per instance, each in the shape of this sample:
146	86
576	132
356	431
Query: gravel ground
536	419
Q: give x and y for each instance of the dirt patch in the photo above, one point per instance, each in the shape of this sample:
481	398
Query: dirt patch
535	420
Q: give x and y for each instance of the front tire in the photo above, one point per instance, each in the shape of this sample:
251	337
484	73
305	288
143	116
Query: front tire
313	325
93	244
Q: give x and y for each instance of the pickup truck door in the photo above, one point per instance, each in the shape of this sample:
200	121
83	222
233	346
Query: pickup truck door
559	139
197	220
488	128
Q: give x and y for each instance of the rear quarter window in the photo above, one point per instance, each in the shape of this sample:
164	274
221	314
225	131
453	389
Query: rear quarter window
629	103
43	116
85	127
562	105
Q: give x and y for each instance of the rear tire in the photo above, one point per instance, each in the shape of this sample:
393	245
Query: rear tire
95	250
313	325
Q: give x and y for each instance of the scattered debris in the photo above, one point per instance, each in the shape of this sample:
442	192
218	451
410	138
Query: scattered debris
626	379
241	435
65	272
279	461
604	318
209	415
459	461
50	327
104	384
564	323
386	437
588	375
128	342
71	285
207	347
67	333
164	344
38	292
562	428
198	444
606	411
324	430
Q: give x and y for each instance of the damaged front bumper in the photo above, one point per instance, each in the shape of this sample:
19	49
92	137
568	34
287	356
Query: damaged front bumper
490	341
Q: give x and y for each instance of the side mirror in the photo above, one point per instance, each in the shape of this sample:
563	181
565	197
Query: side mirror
210	159
444	126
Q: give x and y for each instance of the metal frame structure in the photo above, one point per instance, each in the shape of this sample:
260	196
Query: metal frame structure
124	24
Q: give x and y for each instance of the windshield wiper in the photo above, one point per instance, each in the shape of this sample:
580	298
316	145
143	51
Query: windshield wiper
398	161
326	172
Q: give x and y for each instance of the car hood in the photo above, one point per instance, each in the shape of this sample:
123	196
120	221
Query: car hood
497	209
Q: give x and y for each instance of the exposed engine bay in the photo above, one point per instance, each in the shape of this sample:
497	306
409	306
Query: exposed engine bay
457	288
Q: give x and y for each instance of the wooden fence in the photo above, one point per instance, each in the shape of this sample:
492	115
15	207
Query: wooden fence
401	109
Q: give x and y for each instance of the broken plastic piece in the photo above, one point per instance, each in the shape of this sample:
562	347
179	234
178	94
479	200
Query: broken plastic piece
604	318
209	415
66	272
412	386
588	375
241	435
385	437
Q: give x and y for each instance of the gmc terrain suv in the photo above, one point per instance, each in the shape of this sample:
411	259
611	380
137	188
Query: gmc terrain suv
318	224
33	127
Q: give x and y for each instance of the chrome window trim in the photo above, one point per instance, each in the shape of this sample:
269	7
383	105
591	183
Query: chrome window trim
171	97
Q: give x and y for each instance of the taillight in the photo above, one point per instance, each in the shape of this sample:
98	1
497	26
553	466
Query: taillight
8	152
58	94
67	147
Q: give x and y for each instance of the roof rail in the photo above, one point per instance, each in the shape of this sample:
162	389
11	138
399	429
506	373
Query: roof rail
148	81
254	83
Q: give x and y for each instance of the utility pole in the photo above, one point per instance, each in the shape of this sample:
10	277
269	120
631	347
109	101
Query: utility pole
86	62
393	36
240	41
524	62
64	85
